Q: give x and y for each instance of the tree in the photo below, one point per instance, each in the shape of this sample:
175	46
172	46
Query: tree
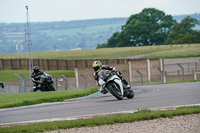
104	45
184	33
150	27
114	39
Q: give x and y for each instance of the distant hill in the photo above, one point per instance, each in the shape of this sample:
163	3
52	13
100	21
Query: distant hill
178	18
52	36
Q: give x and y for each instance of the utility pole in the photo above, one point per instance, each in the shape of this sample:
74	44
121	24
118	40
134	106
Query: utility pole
28	41
19	47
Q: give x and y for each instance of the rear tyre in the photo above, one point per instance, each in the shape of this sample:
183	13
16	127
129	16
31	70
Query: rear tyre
130	94
115	91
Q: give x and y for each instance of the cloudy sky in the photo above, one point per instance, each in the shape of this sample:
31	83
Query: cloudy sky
66	10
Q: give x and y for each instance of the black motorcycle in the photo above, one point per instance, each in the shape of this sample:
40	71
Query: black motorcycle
46	82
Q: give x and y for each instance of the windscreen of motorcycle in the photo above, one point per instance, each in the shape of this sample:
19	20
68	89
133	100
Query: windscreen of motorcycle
102	73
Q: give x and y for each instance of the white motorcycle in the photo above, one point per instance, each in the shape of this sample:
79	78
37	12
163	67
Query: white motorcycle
113	84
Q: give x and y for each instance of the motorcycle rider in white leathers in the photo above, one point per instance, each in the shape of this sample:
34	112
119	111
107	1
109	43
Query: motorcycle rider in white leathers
97	66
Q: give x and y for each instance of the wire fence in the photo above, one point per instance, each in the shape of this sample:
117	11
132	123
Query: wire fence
172	72
182	71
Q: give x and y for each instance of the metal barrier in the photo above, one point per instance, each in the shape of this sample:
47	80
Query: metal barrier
61	83
182	69
66	83
141	77
161	74
22	83
84	81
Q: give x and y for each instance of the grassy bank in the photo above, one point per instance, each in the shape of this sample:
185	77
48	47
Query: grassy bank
22	99
97	121
177	51
9	75
164	51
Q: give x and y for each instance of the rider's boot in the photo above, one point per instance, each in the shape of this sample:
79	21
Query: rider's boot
35	87
103	90
126	83
128	86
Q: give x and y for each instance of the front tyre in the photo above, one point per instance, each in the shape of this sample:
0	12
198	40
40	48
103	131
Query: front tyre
115	91
51	87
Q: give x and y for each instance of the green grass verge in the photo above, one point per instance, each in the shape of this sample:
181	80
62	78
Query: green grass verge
97	121
22	99
162	51
9	75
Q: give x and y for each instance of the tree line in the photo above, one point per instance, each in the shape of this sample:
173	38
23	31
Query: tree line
154	27
150	27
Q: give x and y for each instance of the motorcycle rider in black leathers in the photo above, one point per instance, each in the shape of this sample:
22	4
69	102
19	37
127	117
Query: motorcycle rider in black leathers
36	77
97	66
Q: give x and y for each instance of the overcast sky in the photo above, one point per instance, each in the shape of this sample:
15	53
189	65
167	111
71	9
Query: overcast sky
66	10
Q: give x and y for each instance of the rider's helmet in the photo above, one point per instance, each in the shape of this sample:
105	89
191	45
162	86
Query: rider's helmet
97	65
36	69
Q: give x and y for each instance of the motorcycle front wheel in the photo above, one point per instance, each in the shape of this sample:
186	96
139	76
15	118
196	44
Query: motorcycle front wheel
115	91
51	87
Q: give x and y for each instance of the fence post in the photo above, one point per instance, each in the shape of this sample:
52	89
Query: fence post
2	64
141	77
162	75
130	71
56	83
76	77
182	69
162	67
195	76
149	70
84	80
66	82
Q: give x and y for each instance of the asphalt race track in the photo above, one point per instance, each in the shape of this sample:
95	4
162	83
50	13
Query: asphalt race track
150	96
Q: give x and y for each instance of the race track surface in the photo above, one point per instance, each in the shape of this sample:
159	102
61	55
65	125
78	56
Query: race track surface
150	96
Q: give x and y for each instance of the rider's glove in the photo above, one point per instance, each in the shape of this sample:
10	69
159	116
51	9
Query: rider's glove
95	77
119	73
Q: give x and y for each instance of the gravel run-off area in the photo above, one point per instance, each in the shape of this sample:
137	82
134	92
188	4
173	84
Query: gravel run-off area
177	124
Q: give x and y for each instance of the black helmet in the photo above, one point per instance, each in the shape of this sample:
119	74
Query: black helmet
36	69
97	65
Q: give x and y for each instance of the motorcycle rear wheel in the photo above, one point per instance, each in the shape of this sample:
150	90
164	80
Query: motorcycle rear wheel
130	94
